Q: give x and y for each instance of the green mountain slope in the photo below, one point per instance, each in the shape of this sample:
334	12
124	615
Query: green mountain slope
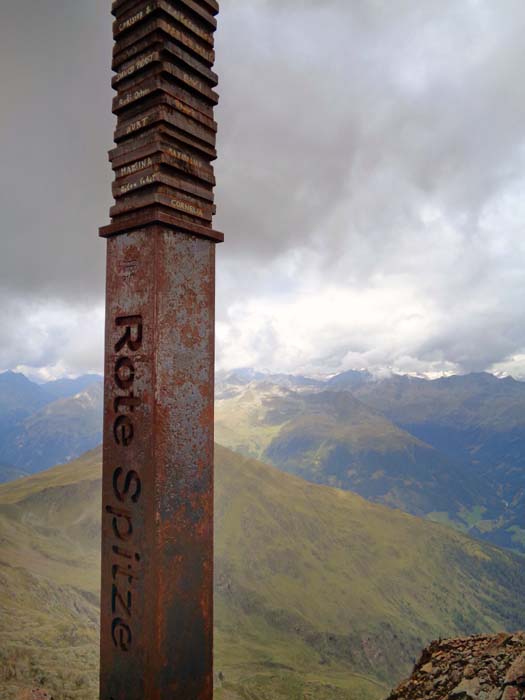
479	399
478	420
319	593
451	449
334	439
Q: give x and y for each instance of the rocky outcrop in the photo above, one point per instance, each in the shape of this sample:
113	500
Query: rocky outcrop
33	694
476	668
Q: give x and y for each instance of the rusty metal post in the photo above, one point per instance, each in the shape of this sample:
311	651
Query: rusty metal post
157	533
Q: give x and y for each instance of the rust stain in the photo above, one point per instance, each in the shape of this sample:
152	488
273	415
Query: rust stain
157	540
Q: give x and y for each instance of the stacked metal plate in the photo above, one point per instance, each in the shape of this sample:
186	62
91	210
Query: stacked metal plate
165	136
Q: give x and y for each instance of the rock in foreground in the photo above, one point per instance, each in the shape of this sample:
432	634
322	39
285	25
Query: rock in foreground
33	694
477	668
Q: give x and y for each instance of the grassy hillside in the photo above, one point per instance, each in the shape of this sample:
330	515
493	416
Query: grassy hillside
319	593
334	439
451	449
49	581
478	420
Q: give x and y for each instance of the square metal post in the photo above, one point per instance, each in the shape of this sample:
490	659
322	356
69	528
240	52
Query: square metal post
157	532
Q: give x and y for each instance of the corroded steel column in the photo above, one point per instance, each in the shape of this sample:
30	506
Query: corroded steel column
157	534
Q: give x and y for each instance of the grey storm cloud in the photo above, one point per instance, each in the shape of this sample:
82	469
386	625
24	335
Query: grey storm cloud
362	143
55	128
370	108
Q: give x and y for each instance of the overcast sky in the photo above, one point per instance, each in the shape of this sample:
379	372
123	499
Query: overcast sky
371	184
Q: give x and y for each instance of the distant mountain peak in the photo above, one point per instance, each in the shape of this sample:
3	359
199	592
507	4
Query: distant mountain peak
67	387
11	376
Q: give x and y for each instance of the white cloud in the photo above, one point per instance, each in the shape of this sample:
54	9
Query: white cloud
51	339
371	185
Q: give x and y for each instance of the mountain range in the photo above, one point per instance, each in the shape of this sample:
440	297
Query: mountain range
478	420
43	424
451	449
320	594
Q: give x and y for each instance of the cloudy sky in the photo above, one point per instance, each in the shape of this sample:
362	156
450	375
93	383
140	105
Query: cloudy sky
371	184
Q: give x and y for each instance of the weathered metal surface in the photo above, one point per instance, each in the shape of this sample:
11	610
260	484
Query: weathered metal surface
157	545
211	6
128	46
157	602
178	140
165	196
139	161
157	89
120	9
129	128
158	215
159	173
193	90
157	48
130	159
132	19
118	5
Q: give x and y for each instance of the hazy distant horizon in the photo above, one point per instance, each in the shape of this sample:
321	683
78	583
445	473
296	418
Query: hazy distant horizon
385	374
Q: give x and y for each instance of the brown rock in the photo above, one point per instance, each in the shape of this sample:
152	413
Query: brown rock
511	693
474	668
494	694
468	688
33	694
516	673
